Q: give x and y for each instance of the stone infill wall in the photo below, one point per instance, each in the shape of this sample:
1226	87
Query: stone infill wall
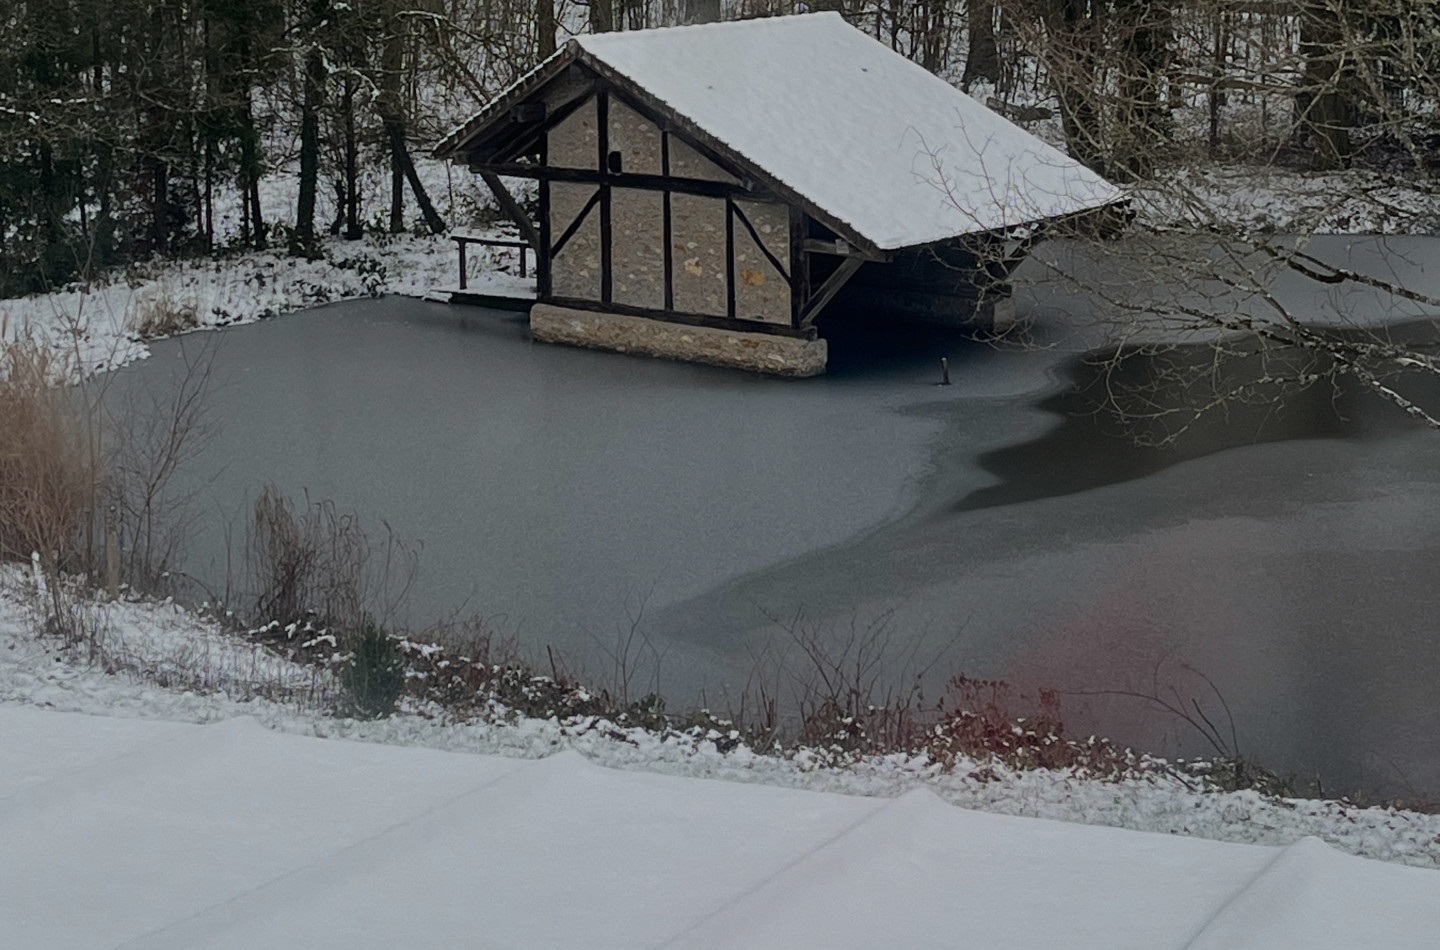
637	228
760	352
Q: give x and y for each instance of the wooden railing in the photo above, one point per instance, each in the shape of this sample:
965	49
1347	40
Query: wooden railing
463	240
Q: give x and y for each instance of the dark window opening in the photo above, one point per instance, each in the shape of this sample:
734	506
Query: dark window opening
615	163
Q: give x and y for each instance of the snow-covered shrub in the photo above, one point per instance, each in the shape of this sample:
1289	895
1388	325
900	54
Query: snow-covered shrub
992	721
158	311
370	269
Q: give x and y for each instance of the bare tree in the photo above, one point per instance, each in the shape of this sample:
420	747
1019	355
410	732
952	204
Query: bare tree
1350	82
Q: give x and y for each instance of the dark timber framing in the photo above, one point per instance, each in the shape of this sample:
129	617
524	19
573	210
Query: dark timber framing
512	207
602	154
512	139
667	232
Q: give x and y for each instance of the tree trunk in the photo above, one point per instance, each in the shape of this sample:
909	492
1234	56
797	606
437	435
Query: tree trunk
1070	59
302	241
602	16
700	11
1141	122
397	196
159	204
391	108
392	60
1326	112
353	230
982	58
544	28
253	224
400	155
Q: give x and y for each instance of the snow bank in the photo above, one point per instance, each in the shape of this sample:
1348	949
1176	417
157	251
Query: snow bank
234	836
96	326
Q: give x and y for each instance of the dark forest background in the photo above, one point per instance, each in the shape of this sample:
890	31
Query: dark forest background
125	124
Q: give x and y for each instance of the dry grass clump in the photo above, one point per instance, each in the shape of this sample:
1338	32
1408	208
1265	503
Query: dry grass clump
162	313
306	564
49	476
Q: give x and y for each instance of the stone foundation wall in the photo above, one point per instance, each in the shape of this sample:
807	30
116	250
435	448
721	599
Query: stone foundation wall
760	352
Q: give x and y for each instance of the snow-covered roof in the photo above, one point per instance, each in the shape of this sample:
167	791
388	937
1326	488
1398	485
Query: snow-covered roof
846	124
140	833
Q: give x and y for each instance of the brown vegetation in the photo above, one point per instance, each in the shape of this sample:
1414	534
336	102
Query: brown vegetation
49	476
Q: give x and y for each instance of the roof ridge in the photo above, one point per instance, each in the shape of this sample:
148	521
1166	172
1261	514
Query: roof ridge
714	25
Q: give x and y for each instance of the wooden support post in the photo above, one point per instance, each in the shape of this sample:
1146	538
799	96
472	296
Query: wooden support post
602	163
667	226
799	266
511	207
827	291
460	244
730	259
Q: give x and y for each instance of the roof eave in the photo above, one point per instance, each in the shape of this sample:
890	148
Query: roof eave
1123	198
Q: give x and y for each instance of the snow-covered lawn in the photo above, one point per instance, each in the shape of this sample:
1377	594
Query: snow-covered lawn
129	833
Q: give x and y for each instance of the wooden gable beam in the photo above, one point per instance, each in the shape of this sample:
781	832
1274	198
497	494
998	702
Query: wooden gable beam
530	137
841	248
690	186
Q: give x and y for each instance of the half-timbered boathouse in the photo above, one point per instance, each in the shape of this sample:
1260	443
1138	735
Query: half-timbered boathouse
706	192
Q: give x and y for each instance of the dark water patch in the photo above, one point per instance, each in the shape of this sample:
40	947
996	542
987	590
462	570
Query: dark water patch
1130	414
869	345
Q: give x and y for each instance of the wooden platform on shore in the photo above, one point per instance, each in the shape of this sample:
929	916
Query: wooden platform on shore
500	291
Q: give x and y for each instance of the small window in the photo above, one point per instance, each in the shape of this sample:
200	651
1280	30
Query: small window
615	163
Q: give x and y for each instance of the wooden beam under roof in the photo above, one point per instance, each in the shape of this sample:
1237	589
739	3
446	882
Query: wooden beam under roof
827	291
512	207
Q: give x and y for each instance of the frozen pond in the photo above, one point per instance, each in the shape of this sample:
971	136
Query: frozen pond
1289	556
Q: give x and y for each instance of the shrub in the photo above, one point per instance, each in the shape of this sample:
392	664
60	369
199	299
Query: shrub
991	721
374	675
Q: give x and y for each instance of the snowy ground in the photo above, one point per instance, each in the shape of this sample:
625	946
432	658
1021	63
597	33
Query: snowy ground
120	833
1262	200
172	666
96	326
